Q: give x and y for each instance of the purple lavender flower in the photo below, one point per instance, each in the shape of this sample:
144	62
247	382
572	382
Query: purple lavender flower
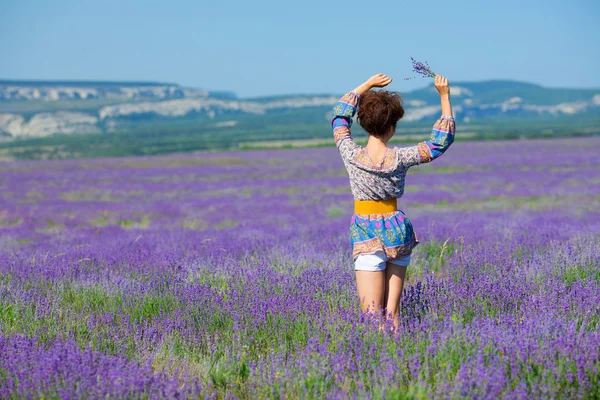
422	69
208	298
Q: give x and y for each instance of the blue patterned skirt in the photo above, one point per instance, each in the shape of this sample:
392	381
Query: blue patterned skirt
390	232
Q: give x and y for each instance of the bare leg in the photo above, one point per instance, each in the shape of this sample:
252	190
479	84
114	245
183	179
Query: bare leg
394	282
371	287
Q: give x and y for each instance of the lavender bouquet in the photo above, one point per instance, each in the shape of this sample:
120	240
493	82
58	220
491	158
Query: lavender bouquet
422	69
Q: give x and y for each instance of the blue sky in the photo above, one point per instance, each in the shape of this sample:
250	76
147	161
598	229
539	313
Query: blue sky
278	47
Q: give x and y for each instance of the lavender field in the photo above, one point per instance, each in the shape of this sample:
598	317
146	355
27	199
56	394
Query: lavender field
229	275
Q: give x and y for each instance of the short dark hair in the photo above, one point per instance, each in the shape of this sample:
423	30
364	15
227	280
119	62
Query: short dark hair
378	110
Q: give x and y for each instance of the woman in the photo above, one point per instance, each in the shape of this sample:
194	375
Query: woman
381	236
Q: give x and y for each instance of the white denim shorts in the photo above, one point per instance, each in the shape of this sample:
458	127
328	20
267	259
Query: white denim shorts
377	261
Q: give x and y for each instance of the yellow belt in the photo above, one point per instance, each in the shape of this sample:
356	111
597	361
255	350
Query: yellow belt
375	206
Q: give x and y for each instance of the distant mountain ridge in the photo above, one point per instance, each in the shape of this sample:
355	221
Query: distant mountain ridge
73	90
496	91
80	83
44	108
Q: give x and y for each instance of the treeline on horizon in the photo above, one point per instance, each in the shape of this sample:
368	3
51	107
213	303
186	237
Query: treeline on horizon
168	136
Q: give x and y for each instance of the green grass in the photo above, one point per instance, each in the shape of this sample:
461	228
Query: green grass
432	256
164	136
512	202
143	222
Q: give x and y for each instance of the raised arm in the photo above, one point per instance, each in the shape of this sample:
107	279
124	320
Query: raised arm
345	109
442	135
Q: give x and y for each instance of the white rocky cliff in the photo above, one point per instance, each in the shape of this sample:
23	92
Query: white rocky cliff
47	108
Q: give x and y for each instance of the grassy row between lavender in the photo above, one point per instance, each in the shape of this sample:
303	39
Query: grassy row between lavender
499	301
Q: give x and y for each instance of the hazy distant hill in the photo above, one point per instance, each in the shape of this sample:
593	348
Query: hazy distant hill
499	91
36	109
84	119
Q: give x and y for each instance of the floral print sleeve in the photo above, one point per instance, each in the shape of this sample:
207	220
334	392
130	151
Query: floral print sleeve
342	114
442	136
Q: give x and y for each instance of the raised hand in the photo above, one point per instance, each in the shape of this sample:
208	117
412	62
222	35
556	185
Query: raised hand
379	80
441	84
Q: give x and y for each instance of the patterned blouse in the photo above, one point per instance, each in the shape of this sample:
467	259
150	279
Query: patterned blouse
390	232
